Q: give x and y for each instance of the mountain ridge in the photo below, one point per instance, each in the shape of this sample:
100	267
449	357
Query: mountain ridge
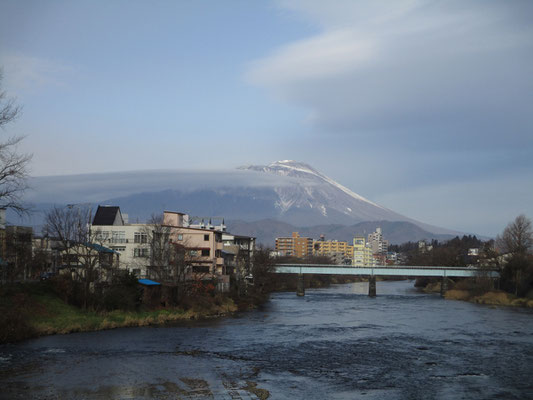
286	191
397	232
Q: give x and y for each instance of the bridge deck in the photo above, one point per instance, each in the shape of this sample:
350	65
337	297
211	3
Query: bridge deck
400	270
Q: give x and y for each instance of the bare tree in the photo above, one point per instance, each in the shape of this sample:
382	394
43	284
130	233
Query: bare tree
169	259
517	241
158	242
18	240
517	237
81	248
13	165
263	267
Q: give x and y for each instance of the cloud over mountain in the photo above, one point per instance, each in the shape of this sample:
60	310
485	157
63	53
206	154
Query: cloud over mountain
396	69
287	191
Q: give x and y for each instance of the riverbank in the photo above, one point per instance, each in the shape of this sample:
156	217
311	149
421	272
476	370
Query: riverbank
30	311
464	292
493	298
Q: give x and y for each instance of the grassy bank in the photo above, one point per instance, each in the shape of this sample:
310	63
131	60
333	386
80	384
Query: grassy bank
33	310
473	292
494	297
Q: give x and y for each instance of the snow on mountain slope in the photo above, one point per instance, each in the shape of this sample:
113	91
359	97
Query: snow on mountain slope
287	191
313	197
314	191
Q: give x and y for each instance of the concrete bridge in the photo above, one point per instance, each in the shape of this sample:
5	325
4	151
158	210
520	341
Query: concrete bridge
371	272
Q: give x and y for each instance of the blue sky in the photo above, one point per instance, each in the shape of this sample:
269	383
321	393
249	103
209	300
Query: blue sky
423	106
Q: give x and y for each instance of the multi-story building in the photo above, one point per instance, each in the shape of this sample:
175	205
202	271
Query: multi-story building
295	246
238	252
203	246
379	245
338	251
130	240
143	247
362	253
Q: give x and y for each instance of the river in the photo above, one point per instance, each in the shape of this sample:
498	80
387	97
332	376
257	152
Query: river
334	343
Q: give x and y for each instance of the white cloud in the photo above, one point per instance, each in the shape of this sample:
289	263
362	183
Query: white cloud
329	54
406	65
23	72
98	187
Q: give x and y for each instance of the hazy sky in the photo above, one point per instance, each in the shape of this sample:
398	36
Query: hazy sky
423	106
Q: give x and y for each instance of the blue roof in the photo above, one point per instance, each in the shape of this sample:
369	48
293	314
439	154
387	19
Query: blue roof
100	248
148	282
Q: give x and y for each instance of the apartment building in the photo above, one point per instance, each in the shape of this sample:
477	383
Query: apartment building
377	243
110	228
203	246
338	251
363	255
140	245
295	246
238	252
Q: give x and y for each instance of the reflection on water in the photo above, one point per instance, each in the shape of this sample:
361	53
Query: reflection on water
333	343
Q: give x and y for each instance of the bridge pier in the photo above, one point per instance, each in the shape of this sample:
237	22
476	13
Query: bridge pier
443	286
372	286
300	285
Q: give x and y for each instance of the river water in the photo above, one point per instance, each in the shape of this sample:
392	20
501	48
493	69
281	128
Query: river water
334	343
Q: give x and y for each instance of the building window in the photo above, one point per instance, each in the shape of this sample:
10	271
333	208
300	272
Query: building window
180	237
193	253
102	235
206	253
206	238
118	248
141	252
140	237
118	237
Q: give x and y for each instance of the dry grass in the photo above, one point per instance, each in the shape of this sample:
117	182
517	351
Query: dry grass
493	298
41	312
456	294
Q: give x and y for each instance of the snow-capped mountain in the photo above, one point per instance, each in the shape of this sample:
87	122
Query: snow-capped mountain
288	192
314	196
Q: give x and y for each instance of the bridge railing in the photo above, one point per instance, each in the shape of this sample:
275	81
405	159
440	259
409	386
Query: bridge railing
381	270
391	267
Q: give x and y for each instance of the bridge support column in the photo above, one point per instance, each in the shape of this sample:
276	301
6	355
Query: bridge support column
443	286
372	286
300	285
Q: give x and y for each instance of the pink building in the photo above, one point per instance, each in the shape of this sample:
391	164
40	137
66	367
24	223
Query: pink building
203	247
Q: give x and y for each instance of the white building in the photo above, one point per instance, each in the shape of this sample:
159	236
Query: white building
377	243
